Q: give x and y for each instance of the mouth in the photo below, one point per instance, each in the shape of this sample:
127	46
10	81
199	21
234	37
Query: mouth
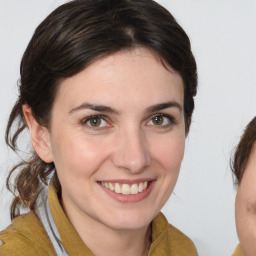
128	191
125	188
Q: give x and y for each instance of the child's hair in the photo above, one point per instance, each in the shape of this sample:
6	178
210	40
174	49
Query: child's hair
67	41
243	151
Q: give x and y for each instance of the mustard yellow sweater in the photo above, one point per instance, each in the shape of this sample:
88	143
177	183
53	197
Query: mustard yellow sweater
27	237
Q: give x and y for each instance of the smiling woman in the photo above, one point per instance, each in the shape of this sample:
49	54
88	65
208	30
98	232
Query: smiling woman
107	92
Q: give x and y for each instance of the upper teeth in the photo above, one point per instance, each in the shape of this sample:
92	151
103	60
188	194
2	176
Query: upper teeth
125	189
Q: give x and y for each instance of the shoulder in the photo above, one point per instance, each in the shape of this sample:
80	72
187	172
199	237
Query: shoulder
25	236
238	251
168	240
180	242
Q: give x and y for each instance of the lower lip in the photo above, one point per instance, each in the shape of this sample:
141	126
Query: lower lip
130	198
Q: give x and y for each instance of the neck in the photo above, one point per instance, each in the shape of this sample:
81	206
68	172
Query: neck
116	243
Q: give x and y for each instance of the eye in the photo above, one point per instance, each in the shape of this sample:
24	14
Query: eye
162	120
96	121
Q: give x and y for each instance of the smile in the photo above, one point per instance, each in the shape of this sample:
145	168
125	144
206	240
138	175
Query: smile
125	189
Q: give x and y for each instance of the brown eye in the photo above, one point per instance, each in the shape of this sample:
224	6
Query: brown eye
95	121
158	120
161	120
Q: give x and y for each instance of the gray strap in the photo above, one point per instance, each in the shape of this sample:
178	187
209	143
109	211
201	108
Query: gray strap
43	212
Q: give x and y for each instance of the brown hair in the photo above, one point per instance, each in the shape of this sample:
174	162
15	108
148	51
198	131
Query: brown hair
243	151
67	41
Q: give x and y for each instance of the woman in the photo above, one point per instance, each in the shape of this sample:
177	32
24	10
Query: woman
243	167
106	92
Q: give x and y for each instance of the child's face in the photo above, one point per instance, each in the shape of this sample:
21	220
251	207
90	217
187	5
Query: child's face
246	207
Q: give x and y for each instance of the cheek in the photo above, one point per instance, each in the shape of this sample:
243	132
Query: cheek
78	155
169	154
170	151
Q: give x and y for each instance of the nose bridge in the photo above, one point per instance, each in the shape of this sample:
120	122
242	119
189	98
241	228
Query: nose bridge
132	152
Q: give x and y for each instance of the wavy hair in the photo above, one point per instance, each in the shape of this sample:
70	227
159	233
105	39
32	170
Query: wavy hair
67	41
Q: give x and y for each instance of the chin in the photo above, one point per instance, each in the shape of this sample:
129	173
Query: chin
131	220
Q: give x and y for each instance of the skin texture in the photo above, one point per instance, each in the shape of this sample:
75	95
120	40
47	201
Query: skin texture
127	145
246	207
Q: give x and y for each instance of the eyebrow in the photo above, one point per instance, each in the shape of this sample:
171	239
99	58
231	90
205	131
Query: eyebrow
95	107
164	105
106	109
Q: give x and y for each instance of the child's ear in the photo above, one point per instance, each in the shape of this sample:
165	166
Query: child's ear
40	137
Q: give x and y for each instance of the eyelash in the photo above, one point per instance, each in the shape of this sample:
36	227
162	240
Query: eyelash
171	121
90	118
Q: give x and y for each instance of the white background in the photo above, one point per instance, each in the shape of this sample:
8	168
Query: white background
223	37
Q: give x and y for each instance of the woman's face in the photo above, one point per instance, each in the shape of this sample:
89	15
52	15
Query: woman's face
117	139
246	207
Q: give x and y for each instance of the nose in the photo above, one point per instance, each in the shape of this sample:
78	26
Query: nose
131	152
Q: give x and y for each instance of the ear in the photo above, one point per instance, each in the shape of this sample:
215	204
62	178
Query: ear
40	136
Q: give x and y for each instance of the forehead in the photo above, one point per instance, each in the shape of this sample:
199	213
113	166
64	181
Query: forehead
131	77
